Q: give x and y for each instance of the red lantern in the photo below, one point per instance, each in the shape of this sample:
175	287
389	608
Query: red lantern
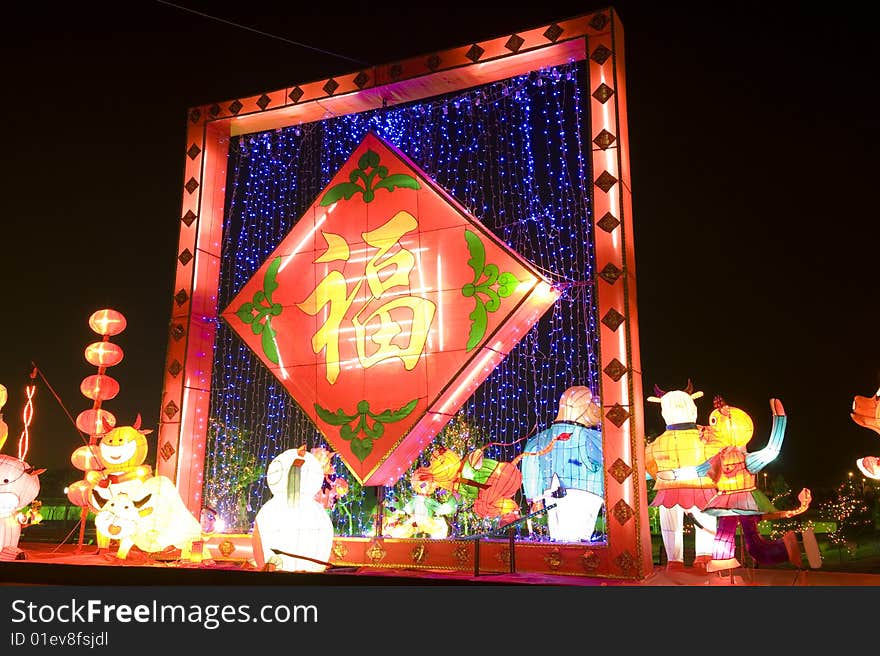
107	322
78	493
92	422
85	458
99	388
103	354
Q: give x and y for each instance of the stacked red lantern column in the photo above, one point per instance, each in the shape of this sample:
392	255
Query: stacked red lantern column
96	421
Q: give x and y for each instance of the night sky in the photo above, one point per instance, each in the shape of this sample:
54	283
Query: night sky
753	132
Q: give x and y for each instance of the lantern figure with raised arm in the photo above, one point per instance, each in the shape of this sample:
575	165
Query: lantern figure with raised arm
737	500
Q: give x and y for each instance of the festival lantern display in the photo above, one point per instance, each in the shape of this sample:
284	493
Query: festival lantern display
19	487
737	500
560	204
293	531
682	444
866	413
568	481
383	309
149	515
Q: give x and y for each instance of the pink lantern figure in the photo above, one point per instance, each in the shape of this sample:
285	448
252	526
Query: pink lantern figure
19	486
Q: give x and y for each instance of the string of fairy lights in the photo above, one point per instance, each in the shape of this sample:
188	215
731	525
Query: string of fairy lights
514	153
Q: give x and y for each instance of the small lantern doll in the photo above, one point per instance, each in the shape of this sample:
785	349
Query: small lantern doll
421	514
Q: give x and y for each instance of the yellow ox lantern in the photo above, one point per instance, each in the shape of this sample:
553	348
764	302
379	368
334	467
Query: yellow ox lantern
121	453
151	516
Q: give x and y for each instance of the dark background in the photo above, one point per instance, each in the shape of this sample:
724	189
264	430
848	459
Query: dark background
753	130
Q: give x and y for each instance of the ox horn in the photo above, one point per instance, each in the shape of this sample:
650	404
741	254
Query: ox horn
657	391
137	422
690	388
106	424
139	503
98	499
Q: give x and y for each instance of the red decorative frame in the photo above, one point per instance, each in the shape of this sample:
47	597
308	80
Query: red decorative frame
596	38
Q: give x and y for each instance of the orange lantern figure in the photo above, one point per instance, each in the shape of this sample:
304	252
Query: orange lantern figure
866	413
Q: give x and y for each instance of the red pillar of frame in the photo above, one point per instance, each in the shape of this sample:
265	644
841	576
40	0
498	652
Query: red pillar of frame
186	393
629	538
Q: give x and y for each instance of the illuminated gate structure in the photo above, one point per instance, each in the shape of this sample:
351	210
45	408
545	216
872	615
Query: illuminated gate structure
376	204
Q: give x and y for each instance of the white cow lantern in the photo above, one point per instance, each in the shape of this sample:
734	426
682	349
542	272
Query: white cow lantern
151	517
293	531
19	486
683	444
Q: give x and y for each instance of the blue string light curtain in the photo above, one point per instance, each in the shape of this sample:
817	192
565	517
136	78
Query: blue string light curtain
515	153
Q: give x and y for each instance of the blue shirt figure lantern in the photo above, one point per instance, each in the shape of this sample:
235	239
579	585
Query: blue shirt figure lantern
568	480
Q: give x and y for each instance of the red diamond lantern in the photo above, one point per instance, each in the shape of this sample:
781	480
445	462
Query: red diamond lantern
384	308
